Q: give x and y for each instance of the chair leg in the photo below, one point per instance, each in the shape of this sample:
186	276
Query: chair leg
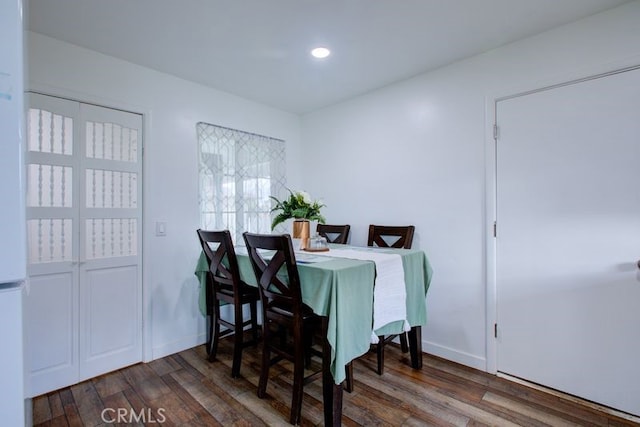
209	334
253	306
210	318
380	354
349	380
266	360
403	342
238	332
216	332
298	377
308	343
415	345
296	399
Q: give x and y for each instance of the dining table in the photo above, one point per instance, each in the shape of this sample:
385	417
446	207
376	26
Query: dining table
341	290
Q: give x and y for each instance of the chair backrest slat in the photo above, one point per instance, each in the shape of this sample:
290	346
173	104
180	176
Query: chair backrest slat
334	233
403	236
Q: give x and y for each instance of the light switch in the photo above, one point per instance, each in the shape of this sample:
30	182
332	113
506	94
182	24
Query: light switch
161	228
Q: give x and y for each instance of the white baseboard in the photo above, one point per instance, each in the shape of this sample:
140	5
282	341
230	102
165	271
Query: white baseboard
457	356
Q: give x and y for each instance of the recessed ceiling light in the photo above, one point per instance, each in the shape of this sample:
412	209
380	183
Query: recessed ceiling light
320	52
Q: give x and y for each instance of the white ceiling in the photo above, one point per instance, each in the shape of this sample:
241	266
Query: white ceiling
259	49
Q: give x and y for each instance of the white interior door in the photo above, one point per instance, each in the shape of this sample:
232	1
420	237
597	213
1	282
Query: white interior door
110	240
568	239
51	303
83	308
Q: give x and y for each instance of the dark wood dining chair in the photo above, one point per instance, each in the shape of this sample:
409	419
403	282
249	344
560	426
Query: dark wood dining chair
283	311
386	236
224	286
334	233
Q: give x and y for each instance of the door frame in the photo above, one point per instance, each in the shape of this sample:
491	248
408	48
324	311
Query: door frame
146	114
491	180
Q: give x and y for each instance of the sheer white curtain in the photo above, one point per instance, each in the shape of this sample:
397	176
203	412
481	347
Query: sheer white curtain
238	171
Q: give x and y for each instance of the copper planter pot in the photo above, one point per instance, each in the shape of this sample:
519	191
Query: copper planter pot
301	231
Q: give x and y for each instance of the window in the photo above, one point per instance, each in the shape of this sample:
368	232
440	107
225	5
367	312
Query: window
238	171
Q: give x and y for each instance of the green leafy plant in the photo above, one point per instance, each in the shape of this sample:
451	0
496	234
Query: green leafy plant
298	206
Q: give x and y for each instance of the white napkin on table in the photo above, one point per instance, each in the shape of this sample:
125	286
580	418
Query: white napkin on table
389	294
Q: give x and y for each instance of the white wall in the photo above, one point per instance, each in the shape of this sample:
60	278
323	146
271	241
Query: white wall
416	152
172	107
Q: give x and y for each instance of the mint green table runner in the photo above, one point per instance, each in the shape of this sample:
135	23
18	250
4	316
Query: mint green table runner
342	290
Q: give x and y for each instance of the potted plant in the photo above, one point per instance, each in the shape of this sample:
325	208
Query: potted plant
301	208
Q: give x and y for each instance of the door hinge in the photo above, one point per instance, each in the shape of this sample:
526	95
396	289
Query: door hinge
495	330
495	229
495	131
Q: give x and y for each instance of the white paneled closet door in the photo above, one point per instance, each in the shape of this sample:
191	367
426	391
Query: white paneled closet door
83	311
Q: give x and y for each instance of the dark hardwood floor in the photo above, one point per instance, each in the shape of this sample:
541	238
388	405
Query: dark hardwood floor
185	390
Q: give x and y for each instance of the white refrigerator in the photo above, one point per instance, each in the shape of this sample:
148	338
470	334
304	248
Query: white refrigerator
12	214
